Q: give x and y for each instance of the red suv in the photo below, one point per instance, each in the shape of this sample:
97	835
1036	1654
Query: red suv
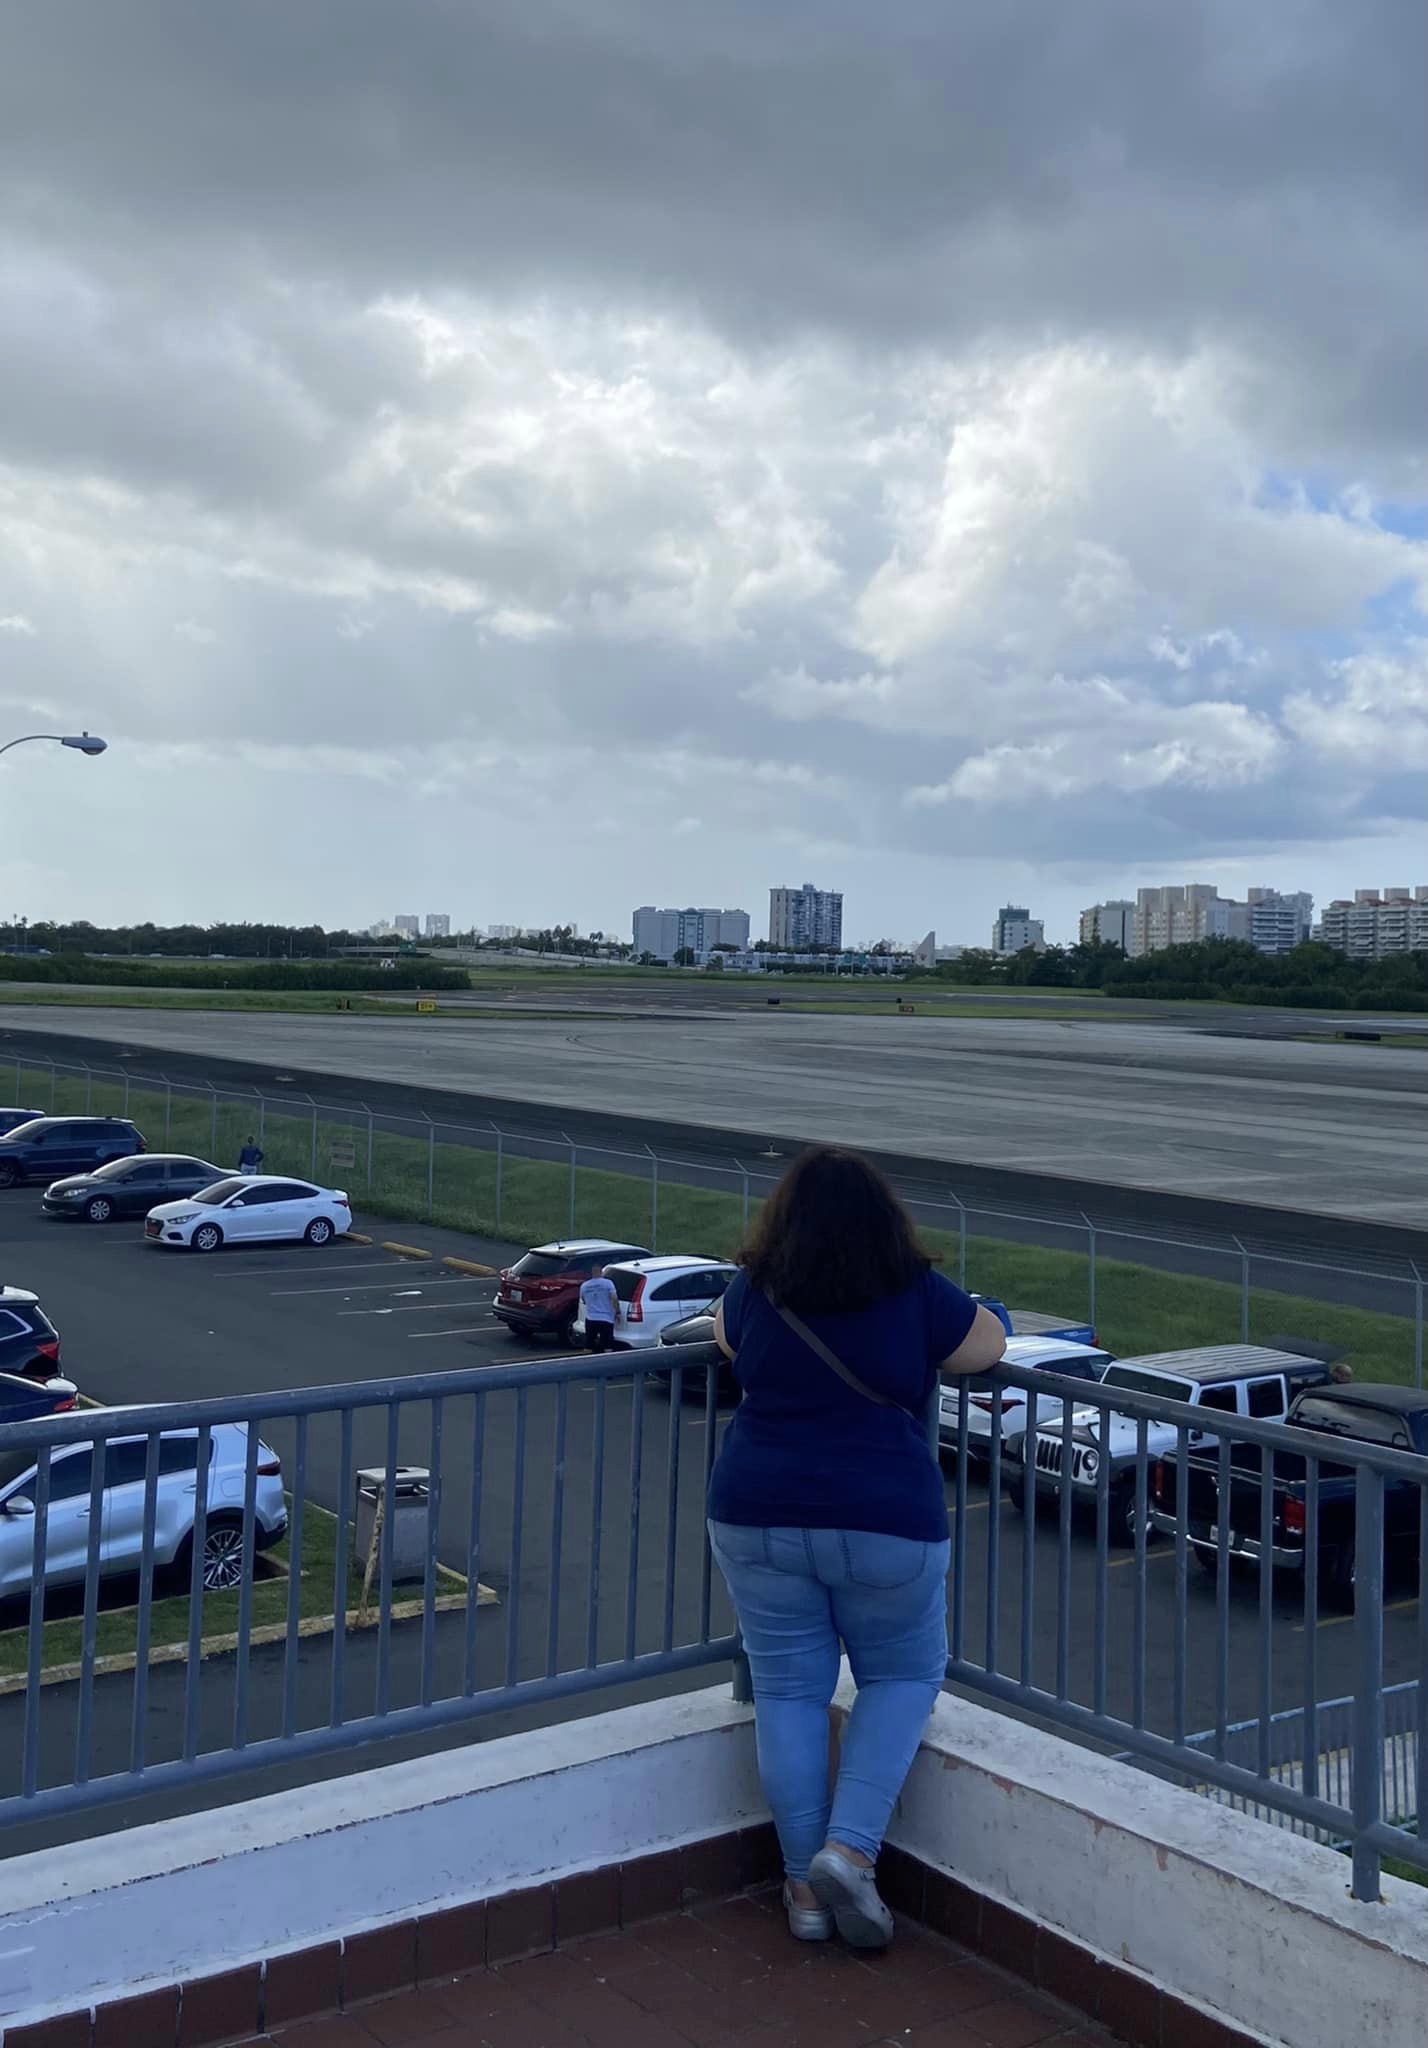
540	1294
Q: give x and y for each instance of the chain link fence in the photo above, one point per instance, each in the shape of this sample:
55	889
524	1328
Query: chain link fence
522	1187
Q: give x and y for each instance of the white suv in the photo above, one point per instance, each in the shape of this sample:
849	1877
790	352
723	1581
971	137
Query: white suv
1034	1354
653	1293
122	1534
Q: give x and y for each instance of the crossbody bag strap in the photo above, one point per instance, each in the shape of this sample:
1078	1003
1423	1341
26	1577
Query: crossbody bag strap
830	1358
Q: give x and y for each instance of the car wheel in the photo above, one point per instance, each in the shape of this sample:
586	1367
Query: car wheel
222	1557
519	1335
1343	1575
1123	1518
9	1173
319	1231
207	1238
98	1209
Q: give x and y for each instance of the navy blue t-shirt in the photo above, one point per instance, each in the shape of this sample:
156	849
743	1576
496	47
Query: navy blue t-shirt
806	1451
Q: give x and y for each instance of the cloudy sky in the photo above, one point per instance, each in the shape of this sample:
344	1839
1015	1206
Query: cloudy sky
526	461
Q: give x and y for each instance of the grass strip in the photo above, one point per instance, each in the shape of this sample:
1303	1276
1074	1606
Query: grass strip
318	1606
526	1201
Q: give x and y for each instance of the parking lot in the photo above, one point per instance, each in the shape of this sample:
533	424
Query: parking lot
580	1509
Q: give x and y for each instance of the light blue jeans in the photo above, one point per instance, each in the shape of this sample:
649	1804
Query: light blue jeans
803	1596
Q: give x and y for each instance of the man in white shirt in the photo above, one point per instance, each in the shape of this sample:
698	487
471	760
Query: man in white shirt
600	1305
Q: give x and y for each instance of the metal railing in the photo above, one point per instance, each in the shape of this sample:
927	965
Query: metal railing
179	1680
1359	1512
515	1184
554	1534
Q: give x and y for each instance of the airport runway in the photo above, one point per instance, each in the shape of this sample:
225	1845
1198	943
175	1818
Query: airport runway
1336	1130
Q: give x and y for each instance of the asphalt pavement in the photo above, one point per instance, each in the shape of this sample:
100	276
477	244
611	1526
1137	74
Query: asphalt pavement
582	1509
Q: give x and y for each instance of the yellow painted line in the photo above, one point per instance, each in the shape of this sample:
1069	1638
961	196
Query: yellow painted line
1116	1563
404	1251
1338	1620
470	1266
355	1237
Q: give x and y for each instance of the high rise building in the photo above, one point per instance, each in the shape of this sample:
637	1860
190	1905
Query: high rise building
1111	923
438	925
663	933
503	931
806	917
1378	922
1278	923
407	927
1016	929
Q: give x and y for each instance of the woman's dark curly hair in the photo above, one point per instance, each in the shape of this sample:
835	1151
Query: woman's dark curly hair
832	1238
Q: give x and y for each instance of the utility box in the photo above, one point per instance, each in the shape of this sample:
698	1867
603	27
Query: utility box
406	1503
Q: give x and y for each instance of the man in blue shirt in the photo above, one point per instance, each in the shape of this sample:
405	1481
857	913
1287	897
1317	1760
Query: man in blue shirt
250	1159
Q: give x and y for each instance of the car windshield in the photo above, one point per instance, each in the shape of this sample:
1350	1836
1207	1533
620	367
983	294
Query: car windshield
117	1169
32	1129
1164	1387
219	1192
14	1465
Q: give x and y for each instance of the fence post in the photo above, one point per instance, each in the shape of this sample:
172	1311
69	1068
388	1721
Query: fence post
743	1677
1417	1324
500	1171
654	1207
1367	1763
1090	1269
1244	1291
430	1167
88	1088
744	1176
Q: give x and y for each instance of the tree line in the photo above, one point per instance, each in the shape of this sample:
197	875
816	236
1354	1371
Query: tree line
1312	976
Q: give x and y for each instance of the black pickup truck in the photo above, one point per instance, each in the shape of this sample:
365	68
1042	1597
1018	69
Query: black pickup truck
1395	1418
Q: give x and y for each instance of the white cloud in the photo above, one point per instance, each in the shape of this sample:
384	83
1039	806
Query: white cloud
1374	713
16	622
197	635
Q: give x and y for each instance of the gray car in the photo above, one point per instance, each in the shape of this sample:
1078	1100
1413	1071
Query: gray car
68	1521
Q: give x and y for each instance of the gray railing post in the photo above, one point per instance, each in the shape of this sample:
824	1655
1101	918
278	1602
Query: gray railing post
430	1168
743	1678
571	1143
1417	1324
500	1171
52	1087
1244	1291
654	1200
262	1117
126	1093
369	1148
19	1085
744	1179
168	1108
312	1169
88	1088
213	1121
1368	1688
961	1242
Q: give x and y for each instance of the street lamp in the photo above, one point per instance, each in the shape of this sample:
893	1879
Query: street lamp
83	742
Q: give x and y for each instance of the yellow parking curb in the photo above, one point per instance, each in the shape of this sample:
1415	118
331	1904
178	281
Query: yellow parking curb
470	1266
355	1237
404	1251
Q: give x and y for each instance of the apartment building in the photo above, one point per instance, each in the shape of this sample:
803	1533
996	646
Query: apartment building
438	925
1110	922
1378	922
799	918
663	933
1016	929
1279	923
407	927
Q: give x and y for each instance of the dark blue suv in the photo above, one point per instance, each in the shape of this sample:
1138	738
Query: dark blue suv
55	1145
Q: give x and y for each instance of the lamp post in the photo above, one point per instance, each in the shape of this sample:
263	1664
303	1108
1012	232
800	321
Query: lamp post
82	742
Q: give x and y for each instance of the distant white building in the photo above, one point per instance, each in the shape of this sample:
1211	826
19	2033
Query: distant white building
1016	929
407	927
503	931
438	925
1378	923
663	933
799	918
1111	923
1277	923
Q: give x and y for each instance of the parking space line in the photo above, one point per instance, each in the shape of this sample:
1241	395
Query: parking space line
417	1308
296	1266
1150	1556
1338	1620
377	1286
467	1330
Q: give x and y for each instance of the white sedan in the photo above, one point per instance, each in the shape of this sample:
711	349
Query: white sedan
251	1208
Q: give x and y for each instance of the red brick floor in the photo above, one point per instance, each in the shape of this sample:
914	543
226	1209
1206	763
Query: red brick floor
711	1978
